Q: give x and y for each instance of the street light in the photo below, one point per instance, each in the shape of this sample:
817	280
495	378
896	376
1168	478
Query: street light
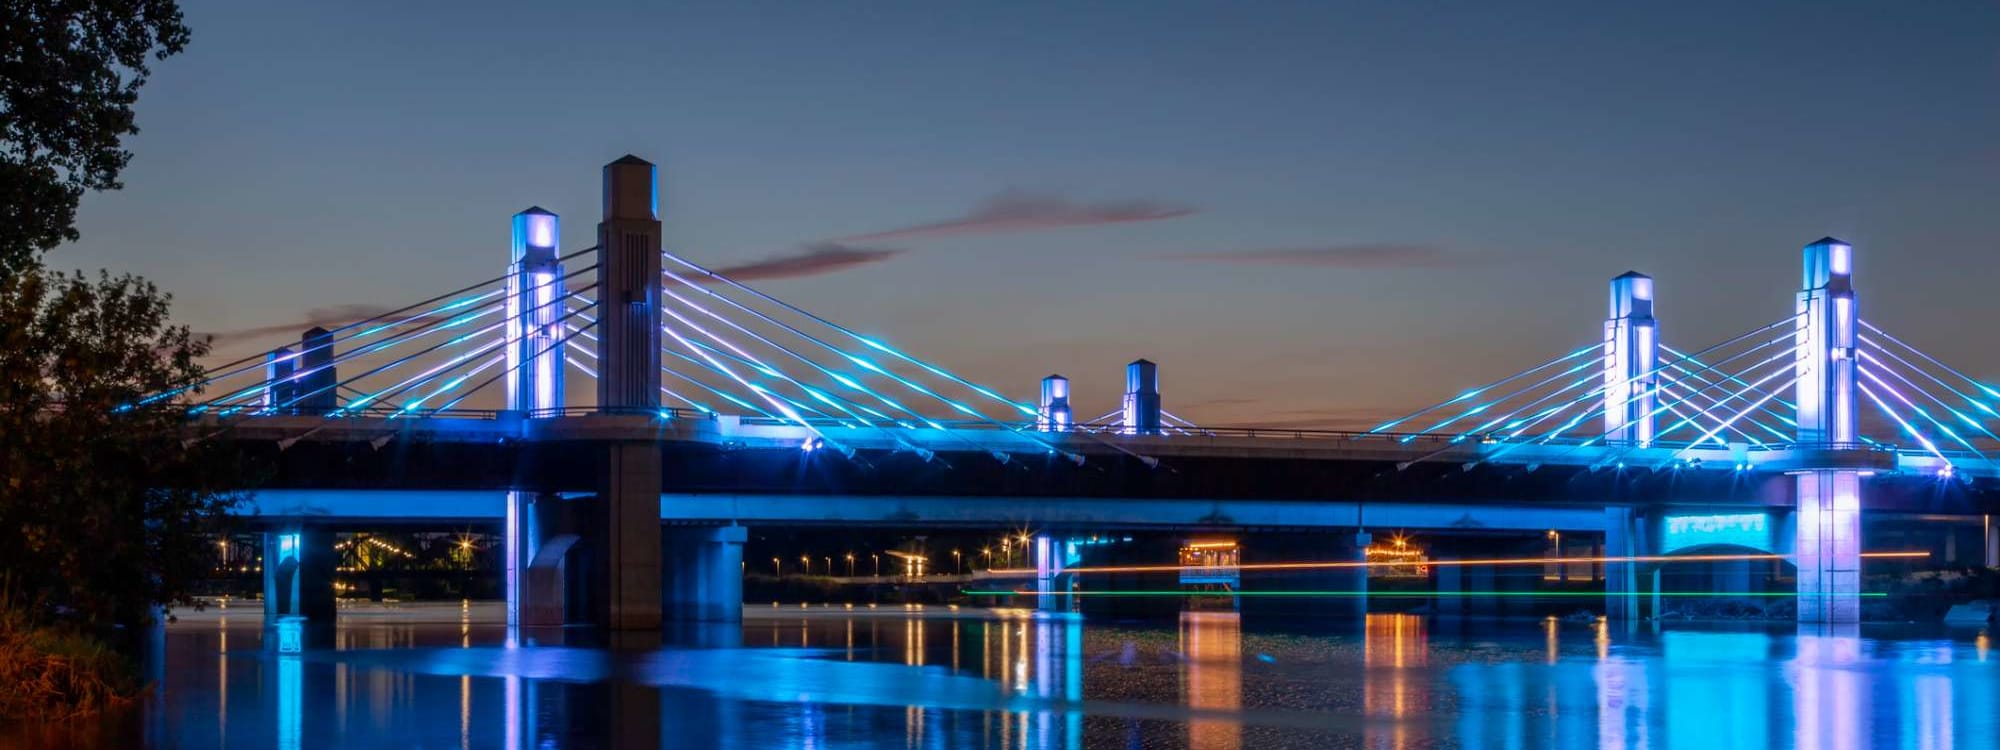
807	562
878	564
958	561
829	566
777	568
850	565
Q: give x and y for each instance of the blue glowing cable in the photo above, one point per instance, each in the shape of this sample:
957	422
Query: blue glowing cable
865	341
759	365
366	350
782	408
1505	397
1741	393
447	386
261	360
1907	427
401	337
757	390
822	369
1474	393
1969	398
1704	379
552	346
420	379
1732	419
1667	389
1983	388
1975	423
1942	427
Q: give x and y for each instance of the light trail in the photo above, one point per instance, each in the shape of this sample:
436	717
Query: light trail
1405	563
1403	594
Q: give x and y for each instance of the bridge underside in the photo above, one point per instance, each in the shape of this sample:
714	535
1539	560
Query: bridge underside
336	507
692	467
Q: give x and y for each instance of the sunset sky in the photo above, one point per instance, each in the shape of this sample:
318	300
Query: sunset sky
1308	213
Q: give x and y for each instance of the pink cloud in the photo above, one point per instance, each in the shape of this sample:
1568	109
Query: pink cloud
1020	211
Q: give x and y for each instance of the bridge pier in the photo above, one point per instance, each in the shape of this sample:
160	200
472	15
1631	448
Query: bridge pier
703	577
1049	558
299	562
1629	532
1992	542
542	530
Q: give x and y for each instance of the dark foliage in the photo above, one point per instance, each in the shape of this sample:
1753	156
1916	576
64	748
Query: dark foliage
70	71
107	506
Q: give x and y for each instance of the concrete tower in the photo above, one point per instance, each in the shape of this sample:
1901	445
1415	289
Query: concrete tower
317	381
1631	355
628	293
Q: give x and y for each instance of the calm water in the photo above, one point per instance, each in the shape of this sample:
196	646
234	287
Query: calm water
833	677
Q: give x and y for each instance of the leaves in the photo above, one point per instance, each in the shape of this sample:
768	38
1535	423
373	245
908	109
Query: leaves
112	504
70	71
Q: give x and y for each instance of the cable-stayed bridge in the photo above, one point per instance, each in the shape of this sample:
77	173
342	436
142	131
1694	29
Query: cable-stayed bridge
586	397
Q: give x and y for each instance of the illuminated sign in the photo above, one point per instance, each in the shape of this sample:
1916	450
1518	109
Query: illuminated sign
1752	530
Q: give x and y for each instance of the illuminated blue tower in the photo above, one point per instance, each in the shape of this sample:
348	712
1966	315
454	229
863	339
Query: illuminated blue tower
1142	398
279	390
1055	415
1631	341
535	301
1829	514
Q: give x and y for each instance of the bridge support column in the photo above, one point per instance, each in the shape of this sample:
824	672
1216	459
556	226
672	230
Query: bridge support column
541	531
1450	590
1992	543
1049	555
298	573
1631	355
1829	500
1627	533
703	576
1829	546
622	539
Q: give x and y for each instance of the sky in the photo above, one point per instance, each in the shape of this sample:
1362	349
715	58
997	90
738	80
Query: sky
1314	214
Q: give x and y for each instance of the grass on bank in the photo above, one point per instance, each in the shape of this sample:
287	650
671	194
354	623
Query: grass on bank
48	673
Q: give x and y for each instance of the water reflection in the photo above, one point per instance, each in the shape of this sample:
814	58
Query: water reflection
938	677
1213	677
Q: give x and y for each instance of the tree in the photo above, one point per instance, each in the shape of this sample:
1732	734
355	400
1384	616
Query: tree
70	71
107	503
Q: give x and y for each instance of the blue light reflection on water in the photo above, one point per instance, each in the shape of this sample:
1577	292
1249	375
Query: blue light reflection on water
837	678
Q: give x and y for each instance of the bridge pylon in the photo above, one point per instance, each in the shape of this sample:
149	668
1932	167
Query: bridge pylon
1631	360
1828	550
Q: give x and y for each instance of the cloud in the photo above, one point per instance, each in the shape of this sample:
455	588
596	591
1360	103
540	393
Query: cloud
325	317
812	260
1020	211
1363	255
